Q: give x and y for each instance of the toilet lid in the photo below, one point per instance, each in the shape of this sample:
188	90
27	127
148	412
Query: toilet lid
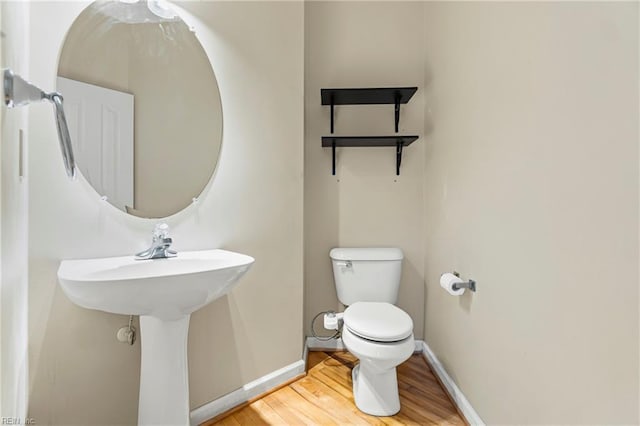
382	322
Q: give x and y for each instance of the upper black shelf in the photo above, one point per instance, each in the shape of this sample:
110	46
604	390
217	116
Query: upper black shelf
367	96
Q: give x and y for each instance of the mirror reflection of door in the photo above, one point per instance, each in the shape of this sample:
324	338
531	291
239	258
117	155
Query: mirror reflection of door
101	127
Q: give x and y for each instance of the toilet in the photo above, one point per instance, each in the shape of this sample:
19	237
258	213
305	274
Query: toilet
374	330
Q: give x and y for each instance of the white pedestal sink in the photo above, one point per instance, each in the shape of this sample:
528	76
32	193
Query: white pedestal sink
164	292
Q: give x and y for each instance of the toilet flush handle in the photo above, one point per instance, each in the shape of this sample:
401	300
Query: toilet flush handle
344	263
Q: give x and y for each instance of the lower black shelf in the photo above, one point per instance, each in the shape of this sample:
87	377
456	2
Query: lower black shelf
356	141
363	141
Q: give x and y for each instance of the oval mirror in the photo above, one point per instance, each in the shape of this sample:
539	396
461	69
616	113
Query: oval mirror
143	106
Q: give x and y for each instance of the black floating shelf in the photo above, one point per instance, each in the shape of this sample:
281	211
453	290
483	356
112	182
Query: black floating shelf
361	141
358	141
368	96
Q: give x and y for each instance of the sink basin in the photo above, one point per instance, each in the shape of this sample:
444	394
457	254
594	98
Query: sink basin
164	292
163	288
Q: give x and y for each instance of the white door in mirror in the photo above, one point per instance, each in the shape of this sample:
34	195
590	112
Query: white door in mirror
101	127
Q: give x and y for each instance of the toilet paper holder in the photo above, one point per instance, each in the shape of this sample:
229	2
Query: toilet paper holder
471	284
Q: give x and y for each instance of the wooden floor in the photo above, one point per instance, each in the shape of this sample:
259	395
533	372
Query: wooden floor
324	397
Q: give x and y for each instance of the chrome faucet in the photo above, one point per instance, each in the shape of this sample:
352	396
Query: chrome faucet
159	246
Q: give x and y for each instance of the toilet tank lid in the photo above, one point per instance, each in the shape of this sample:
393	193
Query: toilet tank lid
366	253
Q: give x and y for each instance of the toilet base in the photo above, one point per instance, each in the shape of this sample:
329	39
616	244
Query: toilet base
375	382
375	392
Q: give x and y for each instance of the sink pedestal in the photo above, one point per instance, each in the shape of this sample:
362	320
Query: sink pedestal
164	374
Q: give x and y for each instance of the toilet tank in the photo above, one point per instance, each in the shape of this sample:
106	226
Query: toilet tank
367	274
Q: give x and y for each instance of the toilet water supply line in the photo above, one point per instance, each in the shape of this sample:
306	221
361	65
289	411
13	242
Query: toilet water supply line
332	321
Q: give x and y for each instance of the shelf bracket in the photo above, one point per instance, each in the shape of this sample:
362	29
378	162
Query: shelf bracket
333	155
397	110
399	146
332	105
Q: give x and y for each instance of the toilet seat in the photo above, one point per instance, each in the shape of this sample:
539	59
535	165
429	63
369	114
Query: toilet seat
380	322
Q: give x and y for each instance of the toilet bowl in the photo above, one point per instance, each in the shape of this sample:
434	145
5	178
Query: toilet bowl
380	335
376	331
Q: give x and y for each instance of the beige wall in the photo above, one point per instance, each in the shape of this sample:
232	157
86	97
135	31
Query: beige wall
14	25
363	44
527	181
89	56
531	184
79	373
177	142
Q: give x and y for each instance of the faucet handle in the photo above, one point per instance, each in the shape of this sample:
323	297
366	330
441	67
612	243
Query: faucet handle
160	231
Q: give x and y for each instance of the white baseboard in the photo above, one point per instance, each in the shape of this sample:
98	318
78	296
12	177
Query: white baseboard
246	392
452	389
315	344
